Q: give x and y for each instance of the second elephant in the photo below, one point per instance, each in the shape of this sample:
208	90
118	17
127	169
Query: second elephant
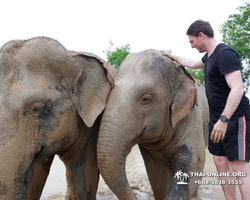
154	104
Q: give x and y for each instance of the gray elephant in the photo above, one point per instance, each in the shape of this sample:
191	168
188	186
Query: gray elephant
154	104
50	103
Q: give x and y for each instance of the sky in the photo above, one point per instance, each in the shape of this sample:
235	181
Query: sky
88	25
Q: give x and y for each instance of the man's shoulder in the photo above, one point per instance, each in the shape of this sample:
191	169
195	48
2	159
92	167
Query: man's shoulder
225	50
222	47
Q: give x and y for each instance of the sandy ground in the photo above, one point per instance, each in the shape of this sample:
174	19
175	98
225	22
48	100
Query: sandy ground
56	185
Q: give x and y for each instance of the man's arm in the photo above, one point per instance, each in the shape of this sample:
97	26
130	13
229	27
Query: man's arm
186	62
234	81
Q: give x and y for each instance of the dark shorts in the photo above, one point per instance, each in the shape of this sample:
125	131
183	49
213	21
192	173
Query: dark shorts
236	144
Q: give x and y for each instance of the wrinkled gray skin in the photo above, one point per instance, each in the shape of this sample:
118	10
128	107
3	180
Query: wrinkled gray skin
50	103
153	104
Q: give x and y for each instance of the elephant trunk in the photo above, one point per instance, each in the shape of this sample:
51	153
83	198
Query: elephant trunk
112	150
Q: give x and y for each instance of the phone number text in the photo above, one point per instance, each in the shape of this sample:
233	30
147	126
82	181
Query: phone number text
219	182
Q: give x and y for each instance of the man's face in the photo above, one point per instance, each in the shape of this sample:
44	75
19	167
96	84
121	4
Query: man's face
197	42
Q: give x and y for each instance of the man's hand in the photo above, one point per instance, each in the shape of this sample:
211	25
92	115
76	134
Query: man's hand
186	62
169	55
219	131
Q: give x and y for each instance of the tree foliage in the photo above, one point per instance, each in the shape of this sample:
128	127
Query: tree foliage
115	56
198	74
236	33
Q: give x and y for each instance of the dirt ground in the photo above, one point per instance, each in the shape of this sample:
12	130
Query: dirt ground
143	191
56	185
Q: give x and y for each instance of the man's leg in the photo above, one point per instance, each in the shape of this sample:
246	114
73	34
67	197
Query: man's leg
223	165
242	166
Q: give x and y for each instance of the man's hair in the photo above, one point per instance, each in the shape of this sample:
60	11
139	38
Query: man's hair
200	26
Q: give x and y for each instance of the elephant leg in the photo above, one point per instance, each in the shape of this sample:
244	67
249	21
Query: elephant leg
37	176
162	174
158	172
91	170
181	162
71	187
82	173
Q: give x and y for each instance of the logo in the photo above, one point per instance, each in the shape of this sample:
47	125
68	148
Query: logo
182	177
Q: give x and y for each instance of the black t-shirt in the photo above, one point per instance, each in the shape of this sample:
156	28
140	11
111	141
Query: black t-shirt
223	60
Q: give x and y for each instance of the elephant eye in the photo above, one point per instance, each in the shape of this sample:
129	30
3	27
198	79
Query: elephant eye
39	109
146	99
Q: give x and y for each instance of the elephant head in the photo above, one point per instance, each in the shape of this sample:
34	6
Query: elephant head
152	104
50	99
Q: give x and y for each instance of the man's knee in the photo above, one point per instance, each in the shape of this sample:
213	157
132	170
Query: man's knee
240	165
221	162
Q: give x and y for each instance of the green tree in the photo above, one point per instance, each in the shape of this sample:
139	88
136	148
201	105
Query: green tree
236	33
115	56
198	74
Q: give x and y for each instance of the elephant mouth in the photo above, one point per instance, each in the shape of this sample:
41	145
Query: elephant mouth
150	143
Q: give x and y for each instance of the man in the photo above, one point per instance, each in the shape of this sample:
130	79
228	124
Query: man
229	139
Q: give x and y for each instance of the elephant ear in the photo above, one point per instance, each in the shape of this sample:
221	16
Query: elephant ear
93	85
184	95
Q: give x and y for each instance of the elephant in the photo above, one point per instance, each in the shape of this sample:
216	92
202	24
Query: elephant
159	106
51	101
